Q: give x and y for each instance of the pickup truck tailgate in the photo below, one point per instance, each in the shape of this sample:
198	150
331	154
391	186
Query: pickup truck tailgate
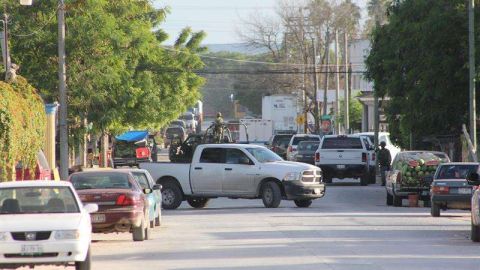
332	156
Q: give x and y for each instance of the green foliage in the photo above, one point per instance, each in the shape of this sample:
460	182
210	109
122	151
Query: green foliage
22	126
355	113
118	74
420	60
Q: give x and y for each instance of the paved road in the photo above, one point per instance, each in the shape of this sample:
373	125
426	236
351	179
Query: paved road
350	228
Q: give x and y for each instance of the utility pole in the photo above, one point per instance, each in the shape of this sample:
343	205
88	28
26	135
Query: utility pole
337	92
62	89
346	99
471	56
327	58
315	87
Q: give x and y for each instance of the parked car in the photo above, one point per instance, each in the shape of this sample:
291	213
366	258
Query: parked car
450	189
180	123
42	170
397	182
236	171
123	204
473	180
278	143
134	147
306	151
44	222
344	156
153	193
383	137
295	140
174	133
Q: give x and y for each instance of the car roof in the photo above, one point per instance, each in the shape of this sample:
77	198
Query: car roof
35	183
233	145
345	136
372	133
306	135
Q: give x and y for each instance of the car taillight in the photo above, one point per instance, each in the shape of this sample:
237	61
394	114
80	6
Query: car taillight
373	156
440	190
125	200
364	157
317	157
142	152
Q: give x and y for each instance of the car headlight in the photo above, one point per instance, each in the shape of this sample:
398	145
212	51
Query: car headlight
66	235
3	236
292	176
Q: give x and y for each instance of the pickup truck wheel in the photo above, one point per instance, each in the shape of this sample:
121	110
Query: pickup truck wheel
474	232
435	210
138	233
158	220
171	196
271	195
303	203
364	180
389	199
198	202
397	201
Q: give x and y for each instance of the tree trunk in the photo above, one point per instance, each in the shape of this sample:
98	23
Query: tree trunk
104	148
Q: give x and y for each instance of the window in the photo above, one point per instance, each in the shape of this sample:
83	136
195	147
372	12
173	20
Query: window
31	200
141	179
308	146
296	140
264	155
236	156
107	180
456	171
342	143
212	155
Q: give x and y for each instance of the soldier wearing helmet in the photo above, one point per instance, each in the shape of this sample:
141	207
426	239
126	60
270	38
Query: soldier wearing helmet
384	160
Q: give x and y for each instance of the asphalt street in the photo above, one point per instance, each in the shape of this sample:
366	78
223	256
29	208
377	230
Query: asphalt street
350	228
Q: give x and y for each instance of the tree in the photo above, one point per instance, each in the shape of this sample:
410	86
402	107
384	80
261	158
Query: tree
420	60
355	113
377	13
119	75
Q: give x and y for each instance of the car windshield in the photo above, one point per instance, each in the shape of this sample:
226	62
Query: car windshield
308	146
296	140
103	180
34	200
342	143
124	149
264	155
282	141
455	171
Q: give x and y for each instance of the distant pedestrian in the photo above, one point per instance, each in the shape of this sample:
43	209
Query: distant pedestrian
384	160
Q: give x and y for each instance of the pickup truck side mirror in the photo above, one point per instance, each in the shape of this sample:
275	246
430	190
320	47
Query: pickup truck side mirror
473	179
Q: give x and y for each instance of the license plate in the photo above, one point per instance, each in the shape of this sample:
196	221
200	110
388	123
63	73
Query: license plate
340	166
464	191
316	191
31	249
98	218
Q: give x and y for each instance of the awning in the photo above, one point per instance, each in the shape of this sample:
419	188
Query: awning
133	136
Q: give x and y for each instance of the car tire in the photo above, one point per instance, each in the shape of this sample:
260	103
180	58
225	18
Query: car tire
198	202
147	233
435	210
152	224
85	264
138	233
364	180
271	195
171	195
474	232
158	219
397	200
303	203
389	199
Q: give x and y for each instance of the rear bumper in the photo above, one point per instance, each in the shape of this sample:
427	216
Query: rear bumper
117	221
297	191
129	161
344	170
457	201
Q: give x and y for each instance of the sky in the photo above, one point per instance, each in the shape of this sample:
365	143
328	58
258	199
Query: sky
221	19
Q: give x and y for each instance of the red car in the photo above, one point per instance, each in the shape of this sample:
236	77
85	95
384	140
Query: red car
122	204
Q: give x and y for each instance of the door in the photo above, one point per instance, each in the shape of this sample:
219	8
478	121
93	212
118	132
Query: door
206	174
144	183
239	173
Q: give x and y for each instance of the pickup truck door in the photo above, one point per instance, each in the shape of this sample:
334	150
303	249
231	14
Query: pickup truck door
239	173
206	174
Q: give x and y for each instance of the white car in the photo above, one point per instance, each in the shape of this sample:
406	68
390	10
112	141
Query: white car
44	222
295	140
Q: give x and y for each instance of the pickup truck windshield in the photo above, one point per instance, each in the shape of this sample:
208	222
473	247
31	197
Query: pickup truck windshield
264	155
342	143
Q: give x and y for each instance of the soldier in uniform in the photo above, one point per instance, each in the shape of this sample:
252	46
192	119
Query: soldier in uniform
384	160
218	127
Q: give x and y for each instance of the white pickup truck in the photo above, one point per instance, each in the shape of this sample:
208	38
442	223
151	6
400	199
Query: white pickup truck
344	156
236	171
